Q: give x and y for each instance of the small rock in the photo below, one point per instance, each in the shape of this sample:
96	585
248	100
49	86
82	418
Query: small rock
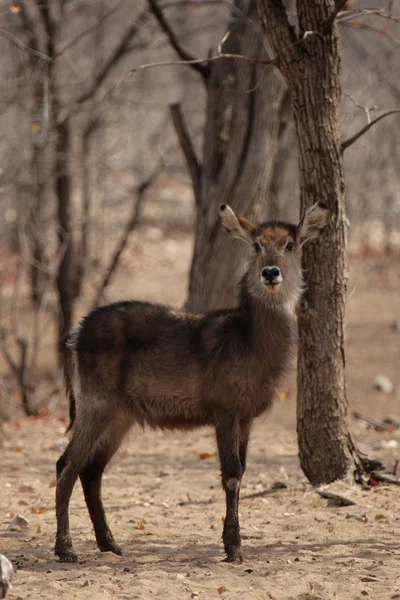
370	579
86	583
395	325
127	570
221	589
364	593
383	384
19	523
49	571
279	485
194	595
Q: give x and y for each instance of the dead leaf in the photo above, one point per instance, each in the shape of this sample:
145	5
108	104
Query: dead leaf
15	8
205	455
379	517
141	524
28	489
373	482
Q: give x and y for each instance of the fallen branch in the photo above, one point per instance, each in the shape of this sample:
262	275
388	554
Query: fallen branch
376	423
385	478
335	499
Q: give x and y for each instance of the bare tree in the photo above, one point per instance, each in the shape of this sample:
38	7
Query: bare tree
45	23
310	64
241	136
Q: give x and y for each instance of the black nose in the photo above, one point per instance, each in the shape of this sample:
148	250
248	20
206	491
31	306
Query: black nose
270	273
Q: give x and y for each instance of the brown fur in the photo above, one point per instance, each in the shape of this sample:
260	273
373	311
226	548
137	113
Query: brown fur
135	362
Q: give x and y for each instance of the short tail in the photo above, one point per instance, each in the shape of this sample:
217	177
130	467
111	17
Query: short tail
66	358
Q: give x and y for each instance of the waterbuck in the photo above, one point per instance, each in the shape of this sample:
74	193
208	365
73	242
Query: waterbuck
136	362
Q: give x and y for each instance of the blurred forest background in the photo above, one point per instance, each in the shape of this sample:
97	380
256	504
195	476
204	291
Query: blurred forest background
93	180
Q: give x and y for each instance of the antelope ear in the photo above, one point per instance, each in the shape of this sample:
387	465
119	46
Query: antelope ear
237	227
313	223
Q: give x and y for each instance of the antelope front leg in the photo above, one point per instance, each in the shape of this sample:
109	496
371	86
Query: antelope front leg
231	469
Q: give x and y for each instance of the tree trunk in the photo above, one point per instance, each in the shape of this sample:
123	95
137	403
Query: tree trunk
67	271
240	144
312	72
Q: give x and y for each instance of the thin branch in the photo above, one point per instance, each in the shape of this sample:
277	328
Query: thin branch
366	12
118	53
15	302
167	63
357	135
357	25
199	66
12	38
328	24
361	106
187	148
132	224
87	31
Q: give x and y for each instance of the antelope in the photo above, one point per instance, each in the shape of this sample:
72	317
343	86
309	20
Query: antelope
139	363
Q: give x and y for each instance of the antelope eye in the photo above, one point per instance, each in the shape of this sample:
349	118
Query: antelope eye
257	247
289	247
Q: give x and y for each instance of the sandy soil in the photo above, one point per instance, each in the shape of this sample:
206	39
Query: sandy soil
163	497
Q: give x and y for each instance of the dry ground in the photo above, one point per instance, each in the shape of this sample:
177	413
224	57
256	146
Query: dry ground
163	497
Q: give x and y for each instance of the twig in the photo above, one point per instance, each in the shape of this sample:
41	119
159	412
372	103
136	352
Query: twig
12	38
357	135
187	148
328	24
167	63
118	53
87	31
356	25
385	478
200	67
379	425
363	12
132	224
361	106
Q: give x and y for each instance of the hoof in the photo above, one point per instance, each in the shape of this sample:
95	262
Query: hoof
67	557
111	547
64	550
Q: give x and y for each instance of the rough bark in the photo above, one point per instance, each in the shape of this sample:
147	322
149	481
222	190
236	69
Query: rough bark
240	143
311	69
